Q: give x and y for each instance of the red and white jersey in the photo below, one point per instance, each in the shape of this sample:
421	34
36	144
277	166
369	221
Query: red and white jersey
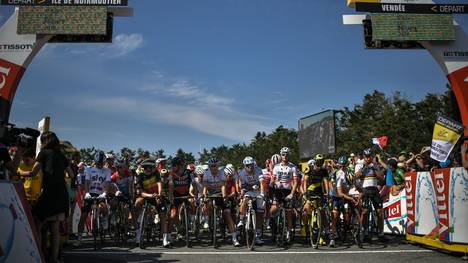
284	175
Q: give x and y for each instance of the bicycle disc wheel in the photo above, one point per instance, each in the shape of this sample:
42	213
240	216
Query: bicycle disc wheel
315	228
250	229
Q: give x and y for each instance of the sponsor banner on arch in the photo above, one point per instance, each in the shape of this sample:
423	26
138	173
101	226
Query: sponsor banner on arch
410	186
395	214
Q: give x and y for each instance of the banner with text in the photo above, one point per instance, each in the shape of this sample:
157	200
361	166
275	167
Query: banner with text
445	136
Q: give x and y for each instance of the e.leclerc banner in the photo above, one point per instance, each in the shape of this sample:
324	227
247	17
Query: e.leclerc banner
445	136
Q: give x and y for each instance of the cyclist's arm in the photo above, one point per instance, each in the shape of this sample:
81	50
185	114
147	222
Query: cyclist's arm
341	194
223	190
304	184
193	190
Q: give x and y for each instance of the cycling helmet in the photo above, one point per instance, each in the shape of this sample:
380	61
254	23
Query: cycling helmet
367	152
177	161
230	165
212	161
99	157
161	159
164	173
275	159
285	150
318	157
248	160
229	170
147	163
343	160
311	162
110	156
199	170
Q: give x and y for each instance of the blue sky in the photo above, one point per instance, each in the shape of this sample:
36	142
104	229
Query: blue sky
196	74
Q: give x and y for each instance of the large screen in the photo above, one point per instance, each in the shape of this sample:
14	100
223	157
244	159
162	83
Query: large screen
412	27
63	20
317	134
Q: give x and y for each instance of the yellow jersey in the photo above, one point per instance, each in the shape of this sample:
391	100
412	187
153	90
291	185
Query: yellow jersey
32	185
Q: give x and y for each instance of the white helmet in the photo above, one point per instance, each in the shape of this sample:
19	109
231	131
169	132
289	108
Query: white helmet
229	170
230	165
311	162
275	159
199	170
285	150
248	160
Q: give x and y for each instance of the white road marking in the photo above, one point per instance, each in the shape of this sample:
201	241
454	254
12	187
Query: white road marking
249	252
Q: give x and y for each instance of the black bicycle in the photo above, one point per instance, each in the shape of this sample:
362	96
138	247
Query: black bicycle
216	220
183	226
149	229
97	229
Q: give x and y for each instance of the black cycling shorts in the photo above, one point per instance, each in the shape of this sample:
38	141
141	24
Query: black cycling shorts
280	194
338	203
371	194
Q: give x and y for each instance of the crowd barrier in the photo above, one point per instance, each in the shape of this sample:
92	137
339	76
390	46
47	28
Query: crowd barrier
18	240
437	208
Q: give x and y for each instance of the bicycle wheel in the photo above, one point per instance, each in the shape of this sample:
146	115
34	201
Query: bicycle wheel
281	228
94	226
356	226
183	223
215	225
250	229
373	231
197	224
143	227
315	228
122	223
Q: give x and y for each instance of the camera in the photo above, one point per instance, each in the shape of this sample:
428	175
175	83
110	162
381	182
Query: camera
13	136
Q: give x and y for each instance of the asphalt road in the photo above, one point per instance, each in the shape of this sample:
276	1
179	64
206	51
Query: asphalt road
393	250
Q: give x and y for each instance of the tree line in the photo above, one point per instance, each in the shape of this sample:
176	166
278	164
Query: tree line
408	125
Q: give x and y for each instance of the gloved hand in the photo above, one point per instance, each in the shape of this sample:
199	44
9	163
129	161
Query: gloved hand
103	195
87	196
118	193
289	197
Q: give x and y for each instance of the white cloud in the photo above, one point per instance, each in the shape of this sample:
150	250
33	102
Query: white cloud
123	44
182	89
231	125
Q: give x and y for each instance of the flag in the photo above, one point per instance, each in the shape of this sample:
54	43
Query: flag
445	136
381	141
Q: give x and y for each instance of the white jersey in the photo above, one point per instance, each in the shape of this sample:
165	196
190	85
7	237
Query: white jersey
214	183
249	180
284	175
97	177
341	182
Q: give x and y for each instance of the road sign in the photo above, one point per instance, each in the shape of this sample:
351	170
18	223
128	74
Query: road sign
68	20
412	27
65	2
412	8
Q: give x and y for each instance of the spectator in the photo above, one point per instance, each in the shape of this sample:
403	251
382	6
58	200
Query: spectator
52	204
32	185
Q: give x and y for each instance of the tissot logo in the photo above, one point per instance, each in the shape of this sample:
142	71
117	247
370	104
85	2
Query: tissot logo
16	47
3	76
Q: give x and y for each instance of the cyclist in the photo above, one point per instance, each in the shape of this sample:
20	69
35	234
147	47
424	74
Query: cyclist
251	181
340	196
214	183
199	173
230	193
123	184
370	175
147	184
314	187
97	184
285	181
183	188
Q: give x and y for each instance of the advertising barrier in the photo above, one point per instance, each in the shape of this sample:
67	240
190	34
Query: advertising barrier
17	236
437	208
395	214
